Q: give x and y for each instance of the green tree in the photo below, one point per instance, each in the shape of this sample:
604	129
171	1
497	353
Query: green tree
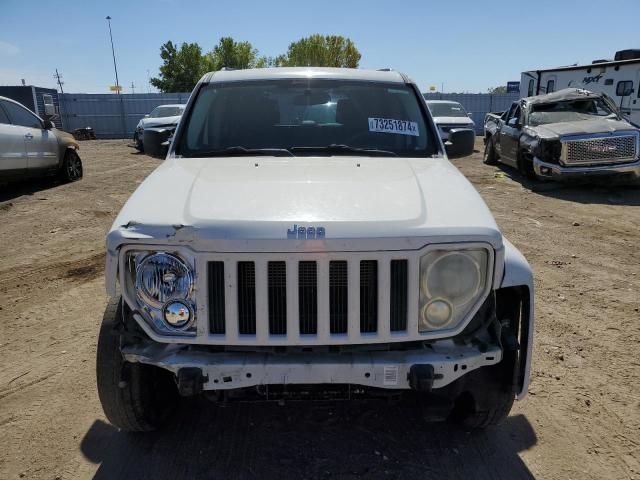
497	90
321	51
231	54
181	68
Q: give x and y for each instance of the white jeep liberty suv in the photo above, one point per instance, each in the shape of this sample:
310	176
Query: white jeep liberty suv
307	237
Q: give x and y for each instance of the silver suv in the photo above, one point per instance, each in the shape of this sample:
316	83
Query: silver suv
30	146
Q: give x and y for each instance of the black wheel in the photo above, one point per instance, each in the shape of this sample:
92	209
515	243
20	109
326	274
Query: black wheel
71	167
525	165
487	396
472	415
135	397
490	157
137	142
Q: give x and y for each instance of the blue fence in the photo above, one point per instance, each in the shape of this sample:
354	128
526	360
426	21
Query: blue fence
478	104
116	116
110	115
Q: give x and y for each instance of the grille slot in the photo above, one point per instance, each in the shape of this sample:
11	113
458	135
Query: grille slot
619	148
368	296
247	298
308	297
277	278
338	297
398	295
216	297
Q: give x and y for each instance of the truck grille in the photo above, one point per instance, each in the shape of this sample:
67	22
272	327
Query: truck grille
322	298
599	150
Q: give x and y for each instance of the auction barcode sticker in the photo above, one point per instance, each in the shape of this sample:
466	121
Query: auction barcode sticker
390	125
390	376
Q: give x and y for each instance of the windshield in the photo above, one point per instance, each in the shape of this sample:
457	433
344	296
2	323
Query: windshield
448	109
569	111
160	112
306	117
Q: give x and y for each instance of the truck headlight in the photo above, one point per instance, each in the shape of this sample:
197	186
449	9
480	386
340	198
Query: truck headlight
163	285
451	282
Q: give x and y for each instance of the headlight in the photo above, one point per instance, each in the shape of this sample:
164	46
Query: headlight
451	283
161	277
163	285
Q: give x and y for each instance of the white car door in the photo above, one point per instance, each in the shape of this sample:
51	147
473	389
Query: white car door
13	152
41	144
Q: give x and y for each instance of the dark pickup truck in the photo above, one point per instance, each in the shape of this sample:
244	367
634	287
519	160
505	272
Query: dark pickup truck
566	134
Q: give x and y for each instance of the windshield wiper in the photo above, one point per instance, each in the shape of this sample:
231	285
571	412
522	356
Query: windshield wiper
339	148
240	151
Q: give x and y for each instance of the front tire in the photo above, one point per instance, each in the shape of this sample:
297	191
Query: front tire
137	142
135	397
525	166
490	157
71	169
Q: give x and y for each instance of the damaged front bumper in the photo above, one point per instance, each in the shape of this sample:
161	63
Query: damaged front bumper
556	171
432	367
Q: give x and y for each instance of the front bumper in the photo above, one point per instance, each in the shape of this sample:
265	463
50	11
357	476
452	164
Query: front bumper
555	171
381	369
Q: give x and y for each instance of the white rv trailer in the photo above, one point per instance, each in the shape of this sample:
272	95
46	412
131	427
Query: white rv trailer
618	78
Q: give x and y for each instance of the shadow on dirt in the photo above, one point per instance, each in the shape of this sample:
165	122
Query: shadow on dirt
344	440
31	186
596	191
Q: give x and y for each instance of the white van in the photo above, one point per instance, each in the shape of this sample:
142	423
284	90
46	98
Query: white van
618	78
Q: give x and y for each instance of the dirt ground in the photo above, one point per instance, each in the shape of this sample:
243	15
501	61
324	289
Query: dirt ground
581	419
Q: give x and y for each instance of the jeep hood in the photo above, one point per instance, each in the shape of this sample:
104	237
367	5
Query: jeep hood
246	198
584	127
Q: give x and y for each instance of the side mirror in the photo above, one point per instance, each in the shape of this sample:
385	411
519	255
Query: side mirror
50	110
513	122
48	124
460	143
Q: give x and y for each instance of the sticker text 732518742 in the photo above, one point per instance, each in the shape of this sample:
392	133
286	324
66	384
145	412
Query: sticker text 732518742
390	125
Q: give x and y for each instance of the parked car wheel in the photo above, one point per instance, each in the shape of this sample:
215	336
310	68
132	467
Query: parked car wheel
525	165
490	157
137	142
135	397
71	167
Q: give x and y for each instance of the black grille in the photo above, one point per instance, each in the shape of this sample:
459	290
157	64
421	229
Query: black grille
277	298
338	297
247	298
216	297
308	297
368	296
398	310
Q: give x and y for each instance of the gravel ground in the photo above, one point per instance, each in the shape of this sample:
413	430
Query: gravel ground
581	419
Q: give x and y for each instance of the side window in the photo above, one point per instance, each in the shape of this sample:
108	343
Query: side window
3	115
530	92
21	116
624	88
551	86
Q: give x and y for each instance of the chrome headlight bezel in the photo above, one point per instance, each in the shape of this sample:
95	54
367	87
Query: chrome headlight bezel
142	300
466	278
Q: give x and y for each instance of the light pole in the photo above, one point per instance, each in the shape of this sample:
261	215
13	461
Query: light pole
115	68
113	52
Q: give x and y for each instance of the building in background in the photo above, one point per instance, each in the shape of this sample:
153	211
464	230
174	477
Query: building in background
34	99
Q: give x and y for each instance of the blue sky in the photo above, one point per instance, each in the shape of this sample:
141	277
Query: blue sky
466	45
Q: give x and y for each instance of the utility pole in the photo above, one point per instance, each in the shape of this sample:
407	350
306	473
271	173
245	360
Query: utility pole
133	88
58	78
115	68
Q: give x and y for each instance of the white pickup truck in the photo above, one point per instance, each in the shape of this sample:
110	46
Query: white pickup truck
307	237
